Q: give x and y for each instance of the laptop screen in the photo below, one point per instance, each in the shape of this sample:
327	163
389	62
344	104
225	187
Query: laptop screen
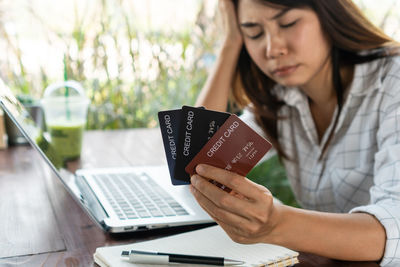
39	139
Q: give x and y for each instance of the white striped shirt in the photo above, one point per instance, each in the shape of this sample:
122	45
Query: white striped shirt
360	169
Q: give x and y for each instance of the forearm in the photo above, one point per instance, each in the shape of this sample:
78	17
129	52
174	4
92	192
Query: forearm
357	236
215	92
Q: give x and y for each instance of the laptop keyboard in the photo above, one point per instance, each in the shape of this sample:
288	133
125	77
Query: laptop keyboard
134	197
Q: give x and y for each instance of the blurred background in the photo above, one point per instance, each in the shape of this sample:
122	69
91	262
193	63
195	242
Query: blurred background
133	57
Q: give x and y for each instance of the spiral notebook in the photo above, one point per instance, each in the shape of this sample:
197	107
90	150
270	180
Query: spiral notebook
211	241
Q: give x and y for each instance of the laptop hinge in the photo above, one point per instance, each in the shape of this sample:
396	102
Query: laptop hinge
90	201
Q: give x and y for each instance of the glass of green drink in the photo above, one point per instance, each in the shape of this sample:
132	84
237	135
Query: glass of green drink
65	108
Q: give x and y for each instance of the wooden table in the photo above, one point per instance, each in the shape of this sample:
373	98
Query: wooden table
41	225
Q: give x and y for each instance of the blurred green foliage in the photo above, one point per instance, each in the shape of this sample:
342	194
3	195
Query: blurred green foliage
118	104
173	73
129	73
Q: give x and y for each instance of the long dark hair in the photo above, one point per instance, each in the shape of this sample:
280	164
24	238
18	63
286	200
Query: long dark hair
350	33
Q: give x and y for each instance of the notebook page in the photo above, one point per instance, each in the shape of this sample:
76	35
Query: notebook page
211	241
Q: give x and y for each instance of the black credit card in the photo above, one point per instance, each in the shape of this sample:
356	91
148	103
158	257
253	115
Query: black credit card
169	125
197	126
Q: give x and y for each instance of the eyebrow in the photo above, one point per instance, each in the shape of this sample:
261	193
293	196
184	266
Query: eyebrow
277	16
249	24
281	13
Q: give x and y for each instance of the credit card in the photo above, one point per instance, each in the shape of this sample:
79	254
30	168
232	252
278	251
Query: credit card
169	125
198	126
235	147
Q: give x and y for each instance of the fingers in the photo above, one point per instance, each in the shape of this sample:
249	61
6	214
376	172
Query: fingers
247	213
235	232
232	180
217	213
213	199
239	230
216	201
228	11
226	5
238	234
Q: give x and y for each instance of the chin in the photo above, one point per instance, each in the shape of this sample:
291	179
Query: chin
289	82
296	79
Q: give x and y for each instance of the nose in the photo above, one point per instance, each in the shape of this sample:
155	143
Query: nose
275	46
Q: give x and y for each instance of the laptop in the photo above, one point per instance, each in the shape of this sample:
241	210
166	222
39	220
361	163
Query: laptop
117	199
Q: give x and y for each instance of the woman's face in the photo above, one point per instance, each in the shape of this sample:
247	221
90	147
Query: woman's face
288	45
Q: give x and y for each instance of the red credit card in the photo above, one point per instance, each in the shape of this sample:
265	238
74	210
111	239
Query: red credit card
234	147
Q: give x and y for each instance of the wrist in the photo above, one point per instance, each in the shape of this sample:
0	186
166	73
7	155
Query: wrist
278	224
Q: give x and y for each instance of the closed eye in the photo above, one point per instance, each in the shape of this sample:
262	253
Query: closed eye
288	25
255	36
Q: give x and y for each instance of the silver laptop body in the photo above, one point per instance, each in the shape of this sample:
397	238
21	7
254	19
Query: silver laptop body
117	199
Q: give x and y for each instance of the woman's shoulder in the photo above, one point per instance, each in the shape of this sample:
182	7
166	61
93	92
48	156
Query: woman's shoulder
382	74
390	75
389	66
379	67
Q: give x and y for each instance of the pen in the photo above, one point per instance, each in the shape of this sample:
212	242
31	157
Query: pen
137	256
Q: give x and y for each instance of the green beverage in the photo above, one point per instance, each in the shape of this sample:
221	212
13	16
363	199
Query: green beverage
67	140
48	149
65	108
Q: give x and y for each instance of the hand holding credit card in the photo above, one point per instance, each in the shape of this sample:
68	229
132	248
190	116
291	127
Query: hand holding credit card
204	136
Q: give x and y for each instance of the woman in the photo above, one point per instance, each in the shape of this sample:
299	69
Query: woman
324	85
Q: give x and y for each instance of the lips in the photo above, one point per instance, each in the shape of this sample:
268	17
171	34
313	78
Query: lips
283	71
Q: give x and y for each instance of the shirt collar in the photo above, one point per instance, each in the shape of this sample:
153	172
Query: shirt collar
292	96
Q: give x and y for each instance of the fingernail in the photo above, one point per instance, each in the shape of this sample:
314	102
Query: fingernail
193	180
200	169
